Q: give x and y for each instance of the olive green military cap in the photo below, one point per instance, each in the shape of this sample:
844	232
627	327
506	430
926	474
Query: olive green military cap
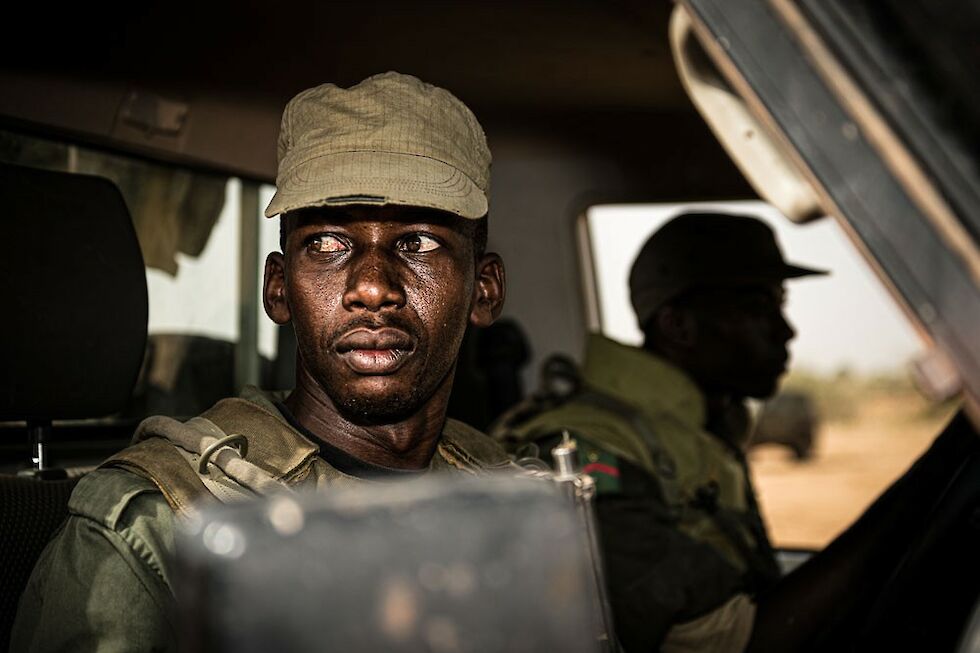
705	249
391	139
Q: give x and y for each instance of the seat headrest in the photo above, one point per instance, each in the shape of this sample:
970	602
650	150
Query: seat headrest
73	330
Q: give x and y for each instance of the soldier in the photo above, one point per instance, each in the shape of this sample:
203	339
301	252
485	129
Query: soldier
661	429
382	195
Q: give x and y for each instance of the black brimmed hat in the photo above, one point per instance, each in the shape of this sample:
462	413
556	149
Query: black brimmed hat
705	249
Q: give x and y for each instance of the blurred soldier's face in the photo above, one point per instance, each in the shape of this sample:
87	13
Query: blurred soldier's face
739	338
379	298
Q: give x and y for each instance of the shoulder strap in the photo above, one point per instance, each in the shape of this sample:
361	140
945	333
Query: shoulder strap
732	524
664	465
466	448
103	495
159	462
274	445
169	453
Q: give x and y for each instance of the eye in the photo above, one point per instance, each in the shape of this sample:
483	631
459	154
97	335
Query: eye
418	244
326	244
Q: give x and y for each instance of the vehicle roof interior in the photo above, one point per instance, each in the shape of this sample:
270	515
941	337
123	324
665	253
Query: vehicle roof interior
515	63
546	49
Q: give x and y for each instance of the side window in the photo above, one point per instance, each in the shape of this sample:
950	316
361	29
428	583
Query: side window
847	420
204	244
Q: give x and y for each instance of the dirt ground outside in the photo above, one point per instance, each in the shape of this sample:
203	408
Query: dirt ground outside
859	451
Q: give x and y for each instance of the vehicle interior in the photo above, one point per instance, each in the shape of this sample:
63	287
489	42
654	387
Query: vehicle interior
864	114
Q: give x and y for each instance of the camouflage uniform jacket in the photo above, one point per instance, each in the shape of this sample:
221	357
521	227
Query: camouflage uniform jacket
104	582
679	525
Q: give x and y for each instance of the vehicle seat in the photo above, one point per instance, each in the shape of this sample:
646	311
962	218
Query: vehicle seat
71	341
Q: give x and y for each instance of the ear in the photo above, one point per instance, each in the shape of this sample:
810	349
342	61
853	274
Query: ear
489	291
274	289
678	326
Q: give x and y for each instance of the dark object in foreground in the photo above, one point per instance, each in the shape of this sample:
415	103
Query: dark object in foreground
418	566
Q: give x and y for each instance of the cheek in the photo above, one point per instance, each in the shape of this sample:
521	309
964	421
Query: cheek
754	342
442	314
738	338
442	301
312	300
447	282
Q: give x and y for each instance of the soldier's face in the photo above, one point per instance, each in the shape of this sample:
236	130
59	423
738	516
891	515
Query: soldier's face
741	337
379	298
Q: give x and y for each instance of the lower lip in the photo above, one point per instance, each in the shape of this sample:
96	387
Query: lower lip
375	361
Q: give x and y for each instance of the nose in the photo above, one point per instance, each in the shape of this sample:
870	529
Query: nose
372	283
784	328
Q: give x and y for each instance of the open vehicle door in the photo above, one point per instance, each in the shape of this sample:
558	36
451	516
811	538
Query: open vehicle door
867	111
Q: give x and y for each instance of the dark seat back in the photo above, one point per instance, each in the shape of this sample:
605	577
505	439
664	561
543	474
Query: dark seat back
30	512
71	340
75	305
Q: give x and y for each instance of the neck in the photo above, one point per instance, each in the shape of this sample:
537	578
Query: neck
725	413
716	403
407	444
727	417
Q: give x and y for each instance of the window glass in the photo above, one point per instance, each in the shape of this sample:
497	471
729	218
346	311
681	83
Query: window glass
847	420
199	297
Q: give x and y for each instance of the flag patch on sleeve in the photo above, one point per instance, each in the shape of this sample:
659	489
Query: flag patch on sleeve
601	465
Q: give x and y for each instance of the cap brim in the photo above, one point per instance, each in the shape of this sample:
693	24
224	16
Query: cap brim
380	178
749	276
793	271
743	276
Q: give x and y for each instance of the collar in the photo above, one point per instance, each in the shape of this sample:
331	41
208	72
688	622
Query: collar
282	450
649	382
278	447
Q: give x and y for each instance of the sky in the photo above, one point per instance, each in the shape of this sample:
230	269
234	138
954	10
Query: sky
846	320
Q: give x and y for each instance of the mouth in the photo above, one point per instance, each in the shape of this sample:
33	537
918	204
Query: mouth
783	363
375	351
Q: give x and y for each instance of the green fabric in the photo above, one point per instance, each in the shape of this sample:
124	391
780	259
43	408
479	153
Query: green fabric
679	529
104	582
667	561
601	465
673	407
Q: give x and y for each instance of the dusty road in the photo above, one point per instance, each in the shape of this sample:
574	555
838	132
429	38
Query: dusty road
808	503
